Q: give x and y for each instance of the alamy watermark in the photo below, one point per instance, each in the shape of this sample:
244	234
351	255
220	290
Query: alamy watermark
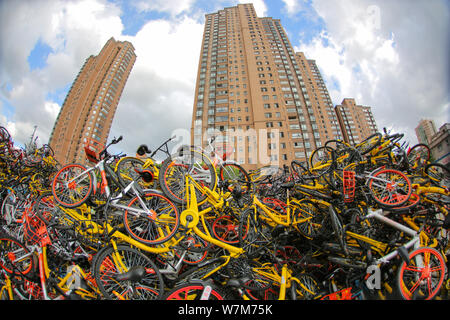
373	278
250	146
373	16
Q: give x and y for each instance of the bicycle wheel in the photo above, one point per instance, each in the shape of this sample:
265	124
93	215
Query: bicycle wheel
308	219
253	235
226	229
423	276
413	201
15	257
389	187
12	209
196	249
320	157
4	134
306	289
127	274
369	143
338	229
45	208
418	155
173	172
71	186
438	174
300	174
195	291
156	226
232	174
129	169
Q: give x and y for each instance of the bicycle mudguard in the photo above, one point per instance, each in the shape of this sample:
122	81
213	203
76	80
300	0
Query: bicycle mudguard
403	253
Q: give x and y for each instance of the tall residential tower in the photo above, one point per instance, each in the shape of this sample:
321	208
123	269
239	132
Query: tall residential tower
269	102
90	105
425	131
356	121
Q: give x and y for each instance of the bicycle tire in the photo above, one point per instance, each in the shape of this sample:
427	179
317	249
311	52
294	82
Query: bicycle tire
252	236
108	274
45	207
127	169
369	143
15	257
63	194
439	174
419	152
386	193
156	228
196	247
410	286
195	291
234	174
226	228
174	169
299	171
338	229
320	156
308	219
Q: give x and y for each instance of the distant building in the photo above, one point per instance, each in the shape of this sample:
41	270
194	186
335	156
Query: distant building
356	121
440	145
90	105
425	131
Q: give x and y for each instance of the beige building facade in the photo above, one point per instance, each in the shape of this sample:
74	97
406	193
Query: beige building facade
356	121
425	131
89	107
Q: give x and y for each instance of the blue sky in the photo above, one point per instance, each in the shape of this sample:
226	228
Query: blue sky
371	51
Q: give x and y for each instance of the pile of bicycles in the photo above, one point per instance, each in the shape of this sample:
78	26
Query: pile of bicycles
355	222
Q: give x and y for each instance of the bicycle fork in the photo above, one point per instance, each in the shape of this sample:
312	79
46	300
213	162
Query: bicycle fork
403	250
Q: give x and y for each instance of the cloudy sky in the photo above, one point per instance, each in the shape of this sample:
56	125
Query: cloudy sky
390	55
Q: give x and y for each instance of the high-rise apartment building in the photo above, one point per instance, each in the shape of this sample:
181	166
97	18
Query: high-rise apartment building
356	121
269	103
425	131
90	105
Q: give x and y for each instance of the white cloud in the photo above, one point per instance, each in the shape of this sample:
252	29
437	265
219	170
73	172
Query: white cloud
73	29
174	7
293	7
159	93
158	96
259	5
384	59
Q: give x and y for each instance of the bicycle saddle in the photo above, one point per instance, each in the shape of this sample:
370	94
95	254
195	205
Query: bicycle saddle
288	185
135	274
143	149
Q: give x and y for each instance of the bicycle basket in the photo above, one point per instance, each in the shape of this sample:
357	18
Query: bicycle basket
35	230
92	148
344	294
349	186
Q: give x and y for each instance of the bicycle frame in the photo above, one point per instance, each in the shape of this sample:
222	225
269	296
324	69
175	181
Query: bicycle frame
191	216
414	243
7	289
284	279
100	166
